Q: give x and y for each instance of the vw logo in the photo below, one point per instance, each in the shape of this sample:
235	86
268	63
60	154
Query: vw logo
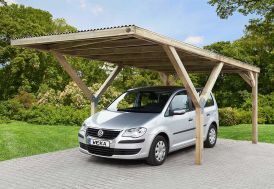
100	133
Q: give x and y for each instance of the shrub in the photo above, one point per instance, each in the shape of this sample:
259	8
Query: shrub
228	116
25	98
52	115
10	109
4	119
43	114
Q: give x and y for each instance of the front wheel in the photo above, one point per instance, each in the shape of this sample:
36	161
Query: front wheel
158	151
211	138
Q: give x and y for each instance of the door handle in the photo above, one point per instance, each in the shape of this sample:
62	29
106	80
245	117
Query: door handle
190	119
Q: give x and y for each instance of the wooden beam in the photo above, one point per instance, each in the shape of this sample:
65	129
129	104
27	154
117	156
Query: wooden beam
113	44
164	78
160	63
192	49
182	73
110	32
72	73
109	47
246	78
252	78
83	43
108	81
130	56
118	50
210	83
255	109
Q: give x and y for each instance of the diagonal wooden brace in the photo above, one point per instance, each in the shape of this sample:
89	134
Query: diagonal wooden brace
108	81
72	73
210	83
182	73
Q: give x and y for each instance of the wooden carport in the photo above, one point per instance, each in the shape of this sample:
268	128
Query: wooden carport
141	48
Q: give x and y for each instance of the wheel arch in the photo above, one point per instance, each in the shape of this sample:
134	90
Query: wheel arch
215	124
163	134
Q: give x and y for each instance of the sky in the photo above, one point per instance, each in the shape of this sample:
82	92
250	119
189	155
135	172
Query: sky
191	21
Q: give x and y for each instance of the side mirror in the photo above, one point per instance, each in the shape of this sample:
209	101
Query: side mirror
177	112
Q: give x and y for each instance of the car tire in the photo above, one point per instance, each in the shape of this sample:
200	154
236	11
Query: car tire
158	151
211	138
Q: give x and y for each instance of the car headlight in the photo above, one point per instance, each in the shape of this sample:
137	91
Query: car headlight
135	132
84	127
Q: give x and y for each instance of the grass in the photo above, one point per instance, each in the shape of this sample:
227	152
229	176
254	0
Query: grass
243	132
19	139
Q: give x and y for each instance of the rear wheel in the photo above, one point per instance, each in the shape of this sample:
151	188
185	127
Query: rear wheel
158	151
211	138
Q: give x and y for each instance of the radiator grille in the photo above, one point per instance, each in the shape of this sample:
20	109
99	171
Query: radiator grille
107	134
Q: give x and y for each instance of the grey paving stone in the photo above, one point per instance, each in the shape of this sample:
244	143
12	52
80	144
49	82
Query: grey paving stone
231	164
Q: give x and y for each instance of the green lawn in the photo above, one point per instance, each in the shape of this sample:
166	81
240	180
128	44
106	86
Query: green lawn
19	139
243	132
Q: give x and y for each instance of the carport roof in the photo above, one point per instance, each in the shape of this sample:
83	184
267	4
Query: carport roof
132	46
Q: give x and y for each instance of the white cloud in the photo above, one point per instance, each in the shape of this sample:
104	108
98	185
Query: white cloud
97	9
83	4
195	40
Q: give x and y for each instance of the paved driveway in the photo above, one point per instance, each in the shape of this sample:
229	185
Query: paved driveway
231	164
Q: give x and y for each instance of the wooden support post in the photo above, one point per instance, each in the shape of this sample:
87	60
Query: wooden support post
164	78
183	75
255	109
72	73
252	79
93	106
108	81
199	135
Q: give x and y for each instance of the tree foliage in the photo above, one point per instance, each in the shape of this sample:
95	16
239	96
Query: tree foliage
34	78
255	47
226	8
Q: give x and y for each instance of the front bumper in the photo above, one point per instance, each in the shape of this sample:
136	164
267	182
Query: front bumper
120	147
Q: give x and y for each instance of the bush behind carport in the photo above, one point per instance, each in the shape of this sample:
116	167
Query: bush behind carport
43	114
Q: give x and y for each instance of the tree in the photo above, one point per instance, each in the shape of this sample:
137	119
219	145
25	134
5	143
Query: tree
24	69
255	47
226	8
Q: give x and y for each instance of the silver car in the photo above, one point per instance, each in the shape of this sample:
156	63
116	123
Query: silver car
147	123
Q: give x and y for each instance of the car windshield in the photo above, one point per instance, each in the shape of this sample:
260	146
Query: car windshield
141	101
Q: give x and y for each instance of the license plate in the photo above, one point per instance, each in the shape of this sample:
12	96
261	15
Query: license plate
96	142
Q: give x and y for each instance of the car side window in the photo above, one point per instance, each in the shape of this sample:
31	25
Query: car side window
209	102
180	102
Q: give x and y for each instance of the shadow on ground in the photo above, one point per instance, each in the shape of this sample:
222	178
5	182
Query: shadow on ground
126	163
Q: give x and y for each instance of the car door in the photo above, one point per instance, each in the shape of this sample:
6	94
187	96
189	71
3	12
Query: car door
179	125
209	110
